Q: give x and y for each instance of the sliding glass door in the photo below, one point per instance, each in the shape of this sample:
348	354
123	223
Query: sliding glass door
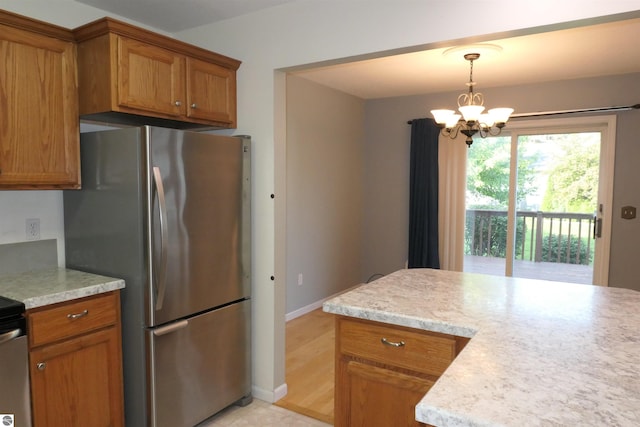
539	199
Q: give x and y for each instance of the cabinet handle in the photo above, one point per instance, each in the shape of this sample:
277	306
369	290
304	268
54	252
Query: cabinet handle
391	343
77	315
194	105
178	103
41	366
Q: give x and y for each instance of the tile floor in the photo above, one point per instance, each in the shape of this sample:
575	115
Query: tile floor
260	413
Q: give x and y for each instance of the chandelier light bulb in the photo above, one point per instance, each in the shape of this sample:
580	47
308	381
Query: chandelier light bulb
471	113
441	116
452	121
486	120
500	115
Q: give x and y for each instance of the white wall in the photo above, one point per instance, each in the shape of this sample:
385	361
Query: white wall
325	142
17	206
306	32
313	31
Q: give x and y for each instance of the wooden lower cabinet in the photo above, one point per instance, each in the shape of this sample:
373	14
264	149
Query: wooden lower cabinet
383	397
76	378
382	371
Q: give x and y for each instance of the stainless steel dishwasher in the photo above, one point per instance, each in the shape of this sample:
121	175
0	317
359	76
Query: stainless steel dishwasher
15	406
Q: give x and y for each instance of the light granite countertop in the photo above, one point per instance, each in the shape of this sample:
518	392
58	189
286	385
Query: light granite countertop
53	285
541	353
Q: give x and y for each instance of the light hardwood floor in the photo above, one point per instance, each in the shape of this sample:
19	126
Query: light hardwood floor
309	369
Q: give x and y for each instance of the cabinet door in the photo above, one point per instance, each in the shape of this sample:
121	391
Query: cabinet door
373	396
78	382
39	130
150	78
211	92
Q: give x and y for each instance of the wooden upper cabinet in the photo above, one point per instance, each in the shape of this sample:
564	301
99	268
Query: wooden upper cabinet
125	69
211	92
39	126
150	78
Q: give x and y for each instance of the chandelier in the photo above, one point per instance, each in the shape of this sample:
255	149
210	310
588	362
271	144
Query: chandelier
471	119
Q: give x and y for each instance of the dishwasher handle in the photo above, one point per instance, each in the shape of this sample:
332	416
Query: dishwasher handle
8	336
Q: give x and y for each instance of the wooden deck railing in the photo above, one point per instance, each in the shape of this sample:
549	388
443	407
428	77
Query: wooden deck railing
540	236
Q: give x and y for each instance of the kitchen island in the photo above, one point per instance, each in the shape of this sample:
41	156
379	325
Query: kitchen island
540	353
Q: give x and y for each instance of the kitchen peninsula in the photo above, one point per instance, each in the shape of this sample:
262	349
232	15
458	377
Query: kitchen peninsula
539	353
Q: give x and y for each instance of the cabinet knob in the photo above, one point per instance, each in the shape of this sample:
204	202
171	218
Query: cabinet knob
178	103
41	366
194	105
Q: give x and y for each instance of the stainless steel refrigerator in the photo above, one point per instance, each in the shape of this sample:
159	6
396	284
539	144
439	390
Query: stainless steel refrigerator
168	211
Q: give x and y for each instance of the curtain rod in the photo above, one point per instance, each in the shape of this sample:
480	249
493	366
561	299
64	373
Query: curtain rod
582	110
577	111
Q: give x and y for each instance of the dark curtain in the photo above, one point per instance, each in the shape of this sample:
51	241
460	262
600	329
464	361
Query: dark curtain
423	195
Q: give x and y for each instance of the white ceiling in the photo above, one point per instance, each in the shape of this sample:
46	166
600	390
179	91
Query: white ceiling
177	15
591	51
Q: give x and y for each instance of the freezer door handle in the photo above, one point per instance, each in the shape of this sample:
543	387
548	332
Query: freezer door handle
164	330
162	273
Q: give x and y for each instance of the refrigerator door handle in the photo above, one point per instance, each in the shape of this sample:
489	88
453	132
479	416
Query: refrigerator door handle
162	273
164	330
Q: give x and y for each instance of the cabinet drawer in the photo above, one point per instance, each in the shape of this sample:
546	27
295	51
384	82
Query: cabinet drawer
407	348
73	318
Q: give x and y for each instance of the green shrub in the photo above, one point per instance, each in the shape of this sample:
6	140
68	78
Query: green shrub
489	236
552	244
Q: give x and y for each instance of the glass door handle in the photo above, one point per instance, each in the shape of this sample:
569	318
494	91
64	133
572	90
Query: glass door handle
597	227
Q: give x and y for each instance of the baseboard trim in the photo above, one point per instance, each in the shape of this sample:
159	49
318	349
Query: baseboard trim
270	396
280	392
309	308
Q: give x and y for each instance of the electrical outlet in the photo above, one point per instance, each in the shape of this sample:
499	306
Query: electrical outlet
33	228
300	279
628	212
